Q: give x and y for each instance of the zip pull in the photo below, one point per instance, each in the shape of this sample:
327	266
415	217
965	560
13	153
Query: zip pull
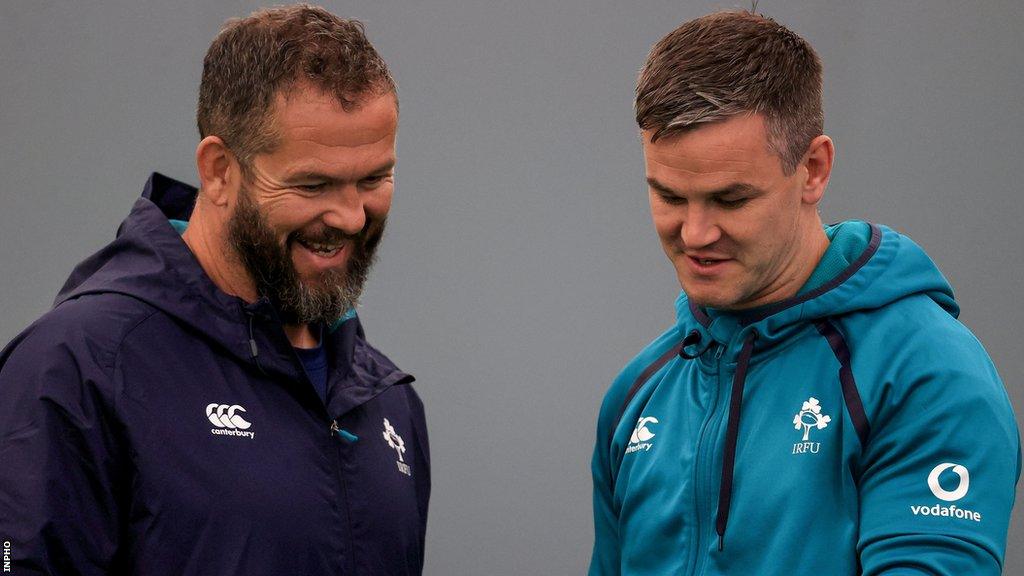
344	434
718	352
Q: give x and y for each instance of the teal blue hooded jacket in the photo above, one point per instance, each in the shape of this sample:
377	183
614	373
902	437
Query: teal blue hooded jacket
856	428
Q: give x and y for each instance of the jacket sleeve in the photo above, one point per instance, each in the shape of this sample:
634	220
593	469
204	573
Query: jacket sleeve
423	463
606	556
59	472
940	465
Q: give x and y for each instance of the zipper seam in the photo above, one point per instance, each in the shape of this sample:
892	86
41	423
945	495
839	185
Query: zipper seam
336	445
695	562
716	420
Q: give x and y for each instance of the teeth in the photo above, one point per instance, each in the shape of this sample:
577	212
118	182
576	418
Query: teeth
323	249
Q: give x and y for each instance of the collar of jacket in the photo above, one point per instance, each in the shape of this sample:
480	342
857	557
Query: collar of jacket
888	268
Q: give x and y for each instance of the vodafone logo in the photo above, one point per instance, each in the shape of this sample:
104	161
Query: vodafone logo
228	420
951	511
947	495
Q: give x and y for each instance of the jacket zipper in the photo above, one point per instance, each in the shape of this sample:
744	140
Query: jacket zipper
711	420
337	447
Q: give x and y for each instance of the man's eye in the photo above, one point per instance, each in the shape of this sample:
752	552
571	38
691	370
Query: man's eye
312	187
672	199
374	181
732	202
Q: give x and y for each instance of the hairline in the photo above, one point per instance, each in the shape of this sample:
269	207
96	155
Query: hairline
774	141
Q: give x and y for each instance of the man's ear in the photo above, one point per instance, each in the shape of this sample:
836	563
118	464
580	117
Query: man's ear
219	171
817	165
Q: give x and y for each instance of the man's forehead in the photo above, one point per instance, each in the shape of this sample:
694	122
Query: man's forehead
734	147
318	139
315	115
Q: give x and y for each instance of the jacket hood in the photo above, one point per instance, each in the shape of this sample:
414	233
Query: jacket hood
150	262
883	266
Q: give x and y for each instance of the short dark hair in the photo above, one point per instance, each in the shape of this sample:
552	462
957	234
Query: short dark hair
731	63
256	58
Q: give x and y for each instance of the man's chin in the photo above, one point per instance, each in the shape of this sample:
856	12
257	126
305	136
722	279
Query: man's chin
710	296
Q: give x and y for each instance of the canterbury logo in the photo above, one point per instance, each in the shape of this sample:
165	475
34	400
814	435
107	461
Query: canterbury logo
640	439
227	416
641	433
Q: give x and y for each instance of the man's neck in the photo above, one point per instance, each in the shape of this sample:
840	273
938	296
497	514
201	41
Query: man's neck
205	237
301	335
810	247
814	244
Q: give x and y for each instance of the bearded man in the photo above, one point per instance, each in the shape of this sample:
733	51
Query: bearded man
201	399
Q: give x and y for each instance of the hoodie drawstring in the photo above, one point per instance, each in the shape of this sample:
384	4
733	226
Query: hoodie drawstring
692	339
731	434
254	350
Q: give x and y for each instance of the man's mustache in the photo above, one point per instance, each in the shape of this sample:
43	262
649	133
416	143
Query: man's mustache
326	235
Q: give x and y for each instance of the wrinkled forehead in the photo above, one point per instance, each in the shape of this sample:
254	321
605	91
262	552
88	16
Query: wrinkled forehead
315	134
306	113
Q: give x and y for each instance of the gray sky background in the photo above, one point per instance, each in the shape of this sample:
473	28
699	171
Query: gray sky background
521	270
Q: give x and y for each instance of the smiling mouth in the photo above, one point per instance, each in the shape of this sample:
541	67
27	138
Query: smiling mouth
707	266
706	261
321	249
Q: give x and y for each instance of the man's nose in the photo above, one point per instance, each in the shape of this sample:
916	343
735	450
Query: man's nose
700	228
345	210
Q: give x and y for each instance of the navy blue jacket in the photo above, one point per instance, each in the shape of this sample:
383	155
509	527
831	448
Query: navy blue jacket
151	424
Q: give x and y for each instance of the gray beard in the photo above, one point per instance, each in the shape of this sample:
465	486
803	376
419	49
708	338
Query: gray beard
270	265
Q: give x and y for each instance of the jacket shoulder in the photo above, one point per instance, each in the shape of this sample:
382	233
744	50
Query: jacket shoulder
87	328
913	356
619	391
915	334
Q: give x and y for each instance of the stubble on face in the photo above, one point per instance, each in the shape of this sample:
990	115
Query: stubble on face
298	301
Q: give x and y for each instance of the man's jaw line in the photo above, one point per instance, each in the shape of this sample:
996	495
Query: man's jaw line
227	272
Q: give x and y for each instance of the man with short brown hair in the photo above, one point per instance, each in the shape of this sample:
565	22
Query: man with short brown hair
816	408
202	399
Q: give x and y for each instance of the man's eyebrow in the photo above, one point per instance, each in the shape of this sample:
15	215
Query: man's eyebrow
385	167
734	188
302	175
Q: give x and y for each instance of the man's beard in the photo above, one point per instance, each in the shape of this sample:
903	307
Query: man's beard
270	265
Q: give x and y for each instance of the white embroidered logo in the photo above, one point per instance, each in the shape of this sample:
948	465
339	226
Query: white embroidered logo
951	511
228	420
396	443
639	440
808	417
